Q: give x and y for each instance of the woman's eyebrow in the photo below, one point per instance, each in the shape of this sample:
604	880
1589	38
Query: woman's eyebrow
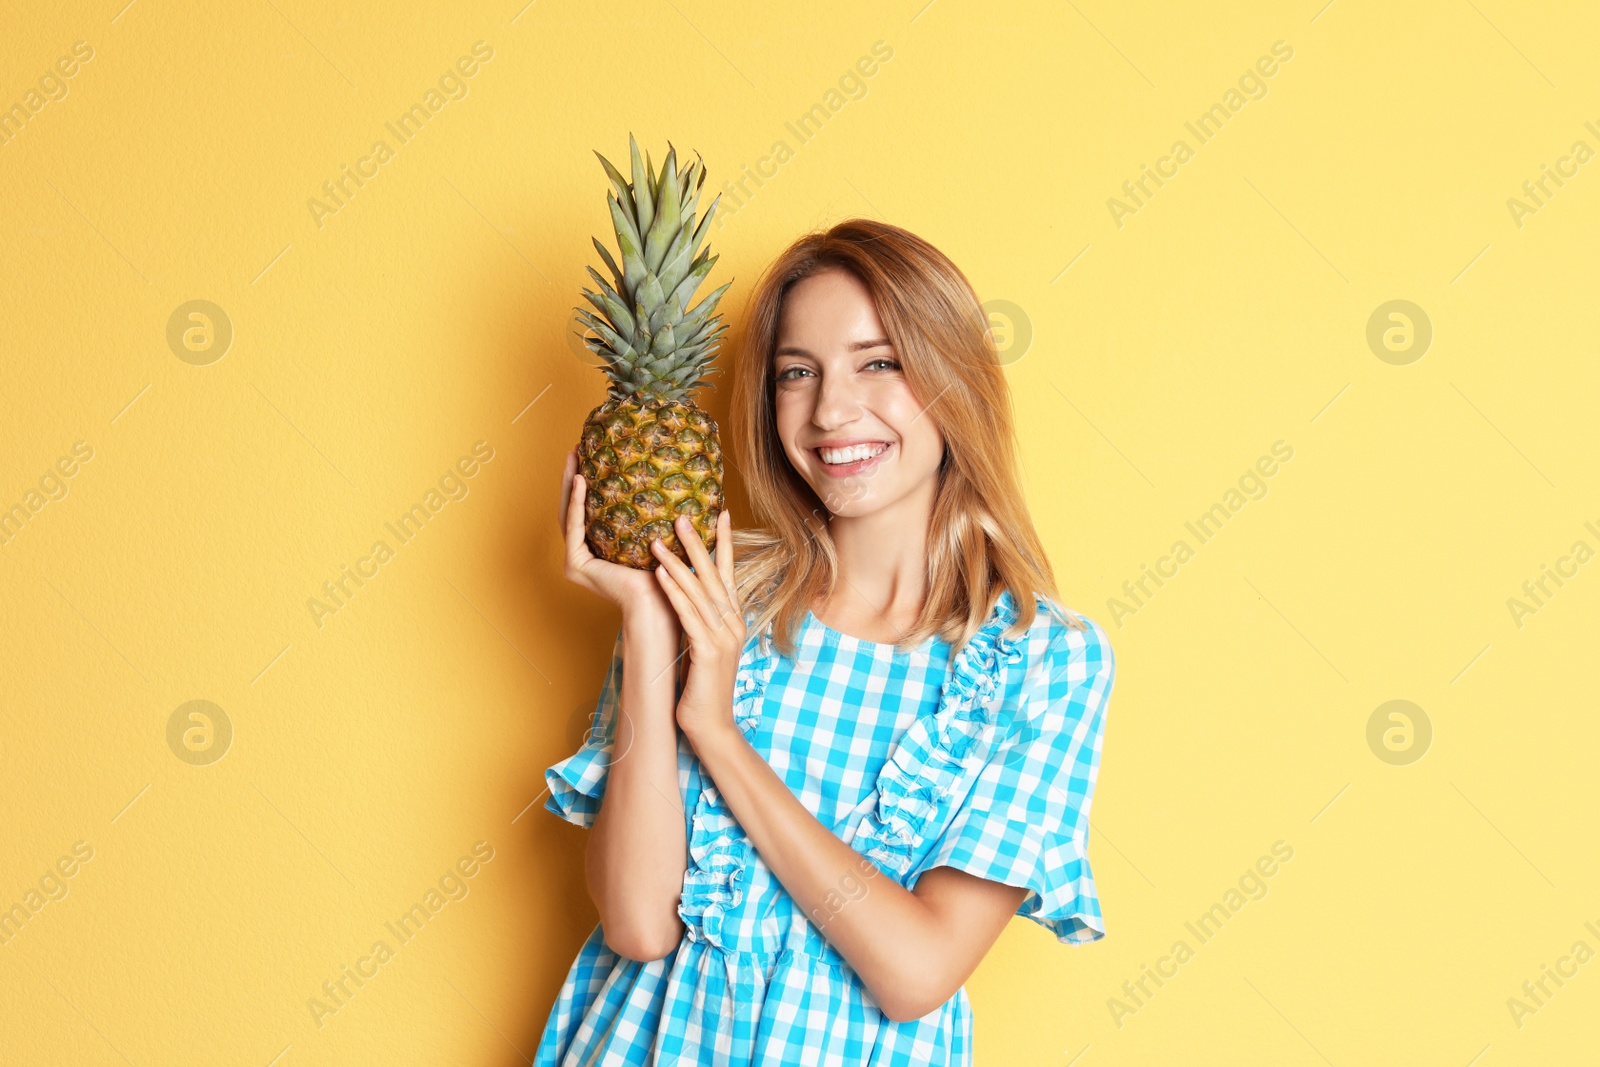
854	346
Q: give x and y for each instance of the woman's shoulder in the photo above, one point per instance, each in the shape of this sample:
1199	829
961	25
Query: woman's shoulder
1062	641
1063	675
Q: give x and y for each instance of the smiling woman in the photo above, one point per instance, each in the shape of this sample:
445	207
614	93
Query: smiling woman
889	734
868	334
816	387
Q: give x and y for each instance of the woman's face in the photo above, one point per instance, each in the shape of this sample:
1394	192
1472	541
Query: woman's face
840	395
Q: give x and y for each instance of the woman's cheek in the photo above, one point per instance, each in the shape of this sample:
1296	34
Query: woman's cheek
788	405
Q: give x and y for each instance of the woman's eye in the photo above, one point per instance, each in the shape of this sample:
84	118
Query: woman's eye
885	359
784	374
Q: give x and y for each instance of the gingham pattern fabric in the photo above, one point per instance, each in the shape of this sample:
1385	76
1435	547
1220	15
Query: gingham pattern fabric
985	761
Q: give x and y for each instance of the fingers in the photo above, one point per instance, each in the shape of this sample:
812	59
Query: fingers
725	553
567	470
703	587
577	549
689	615
688	583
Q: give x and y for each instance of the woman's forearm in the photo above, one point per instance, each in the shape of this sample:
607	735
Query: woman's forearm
637	851
888	936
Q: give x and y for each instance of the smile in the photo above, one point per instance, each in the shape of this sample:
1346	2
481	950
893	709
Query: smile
852	460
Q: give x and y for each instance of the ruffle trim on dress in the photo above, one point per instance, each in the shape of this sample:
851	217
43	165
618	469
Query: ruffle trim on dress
938	753
577	784
931	759
718	847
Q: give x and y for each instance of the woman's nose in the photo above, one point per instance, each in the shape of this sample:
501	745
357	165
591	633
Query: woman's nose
837	402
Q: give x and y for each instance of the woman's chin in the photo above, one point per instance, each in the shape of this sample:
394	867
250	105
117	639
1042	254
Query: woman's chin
853	509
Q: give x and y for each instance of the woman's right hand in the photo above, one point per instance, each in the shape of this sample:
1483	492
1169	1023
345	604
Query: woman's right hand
638	593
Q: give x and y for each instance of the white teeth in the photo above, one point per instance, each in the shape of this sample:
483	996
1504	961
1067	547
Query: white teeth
851	454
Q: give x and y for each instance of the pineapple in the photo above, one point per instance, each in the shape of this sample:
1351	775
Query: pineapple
648	454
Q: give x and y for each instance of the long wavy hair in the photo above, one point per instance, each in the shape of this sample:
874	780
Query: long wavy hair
982	539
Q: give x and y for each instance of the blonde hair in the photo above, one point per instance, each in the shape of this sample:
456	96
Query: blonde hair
981	537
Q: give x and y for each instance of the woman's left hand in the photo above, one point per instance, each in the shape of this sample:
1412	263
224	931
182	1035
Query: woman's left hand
713	623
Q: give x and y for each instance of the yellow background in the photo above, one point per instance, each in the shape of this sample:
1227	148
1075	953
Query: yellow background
372	351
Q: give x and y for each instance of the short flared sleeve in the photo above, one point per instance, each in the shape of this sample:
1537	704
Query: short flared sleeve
1025	821
578	782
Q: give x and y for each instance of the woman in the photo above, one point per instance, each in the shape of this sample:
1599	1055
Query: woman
887	735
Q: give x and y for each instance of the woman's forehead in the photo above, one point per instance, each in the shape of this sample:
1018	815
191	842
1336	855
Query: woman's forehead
828	316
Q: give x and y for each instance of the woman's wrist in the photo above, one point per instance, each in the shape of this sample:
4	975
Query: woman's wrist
653	631
712	741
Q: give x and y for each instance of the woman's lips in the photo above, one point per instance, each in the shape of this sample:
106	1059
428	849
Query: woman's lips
844	470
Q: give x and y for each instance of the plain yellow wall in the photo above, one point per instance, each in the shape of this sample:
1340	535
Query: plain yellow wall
1176	340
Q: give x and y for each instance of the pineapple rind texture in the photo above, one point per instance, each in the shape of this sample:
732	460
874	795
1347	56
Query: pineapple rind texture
644	464
648	453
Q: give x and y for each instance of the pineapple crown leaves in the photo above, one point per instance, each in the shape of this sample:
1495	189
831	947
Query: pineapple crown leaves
652	341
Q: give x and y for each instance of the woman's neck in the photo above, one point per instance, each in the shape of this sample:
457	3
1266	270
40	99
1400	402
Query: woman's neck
883	570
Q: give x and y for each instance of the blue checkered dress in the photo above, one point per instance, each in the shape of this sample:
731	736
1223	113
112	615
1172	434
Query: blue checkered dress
986	764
